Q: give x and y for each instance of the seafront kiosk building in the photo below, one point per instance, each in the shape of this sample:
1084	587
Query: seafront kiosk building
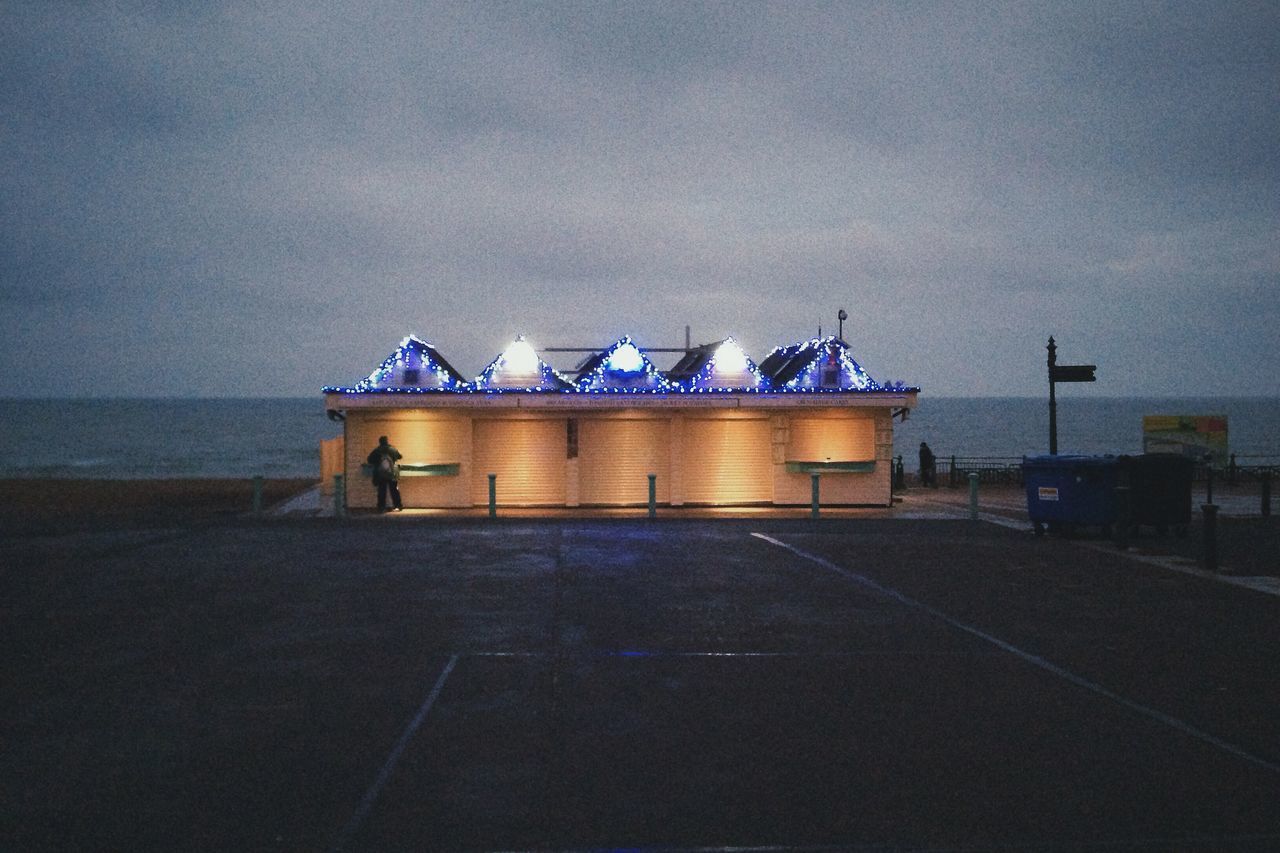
715	430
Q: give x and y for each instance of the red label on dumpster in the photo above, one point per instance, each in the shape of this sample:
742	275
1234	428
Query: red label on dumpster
1048	493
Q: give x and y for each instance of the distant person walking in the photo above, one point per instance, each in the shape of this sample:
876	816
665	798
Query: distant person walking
383	460
928	466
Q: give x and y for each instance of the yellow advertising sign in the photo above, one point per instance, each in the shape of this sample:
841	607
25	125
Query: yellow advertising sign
1201	437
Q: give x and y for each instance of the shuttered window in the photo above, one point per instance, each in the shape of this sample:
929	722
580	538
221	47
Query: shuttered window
727	461
420	440
527	455
616	458
831	440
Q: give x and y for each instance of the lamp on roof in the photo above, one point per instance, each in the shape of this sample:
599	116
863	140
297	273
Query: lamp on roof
520	358
626	359
730	358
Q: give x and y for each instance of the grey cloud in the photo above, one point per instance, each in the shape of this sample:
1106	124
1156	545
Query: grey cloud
964	178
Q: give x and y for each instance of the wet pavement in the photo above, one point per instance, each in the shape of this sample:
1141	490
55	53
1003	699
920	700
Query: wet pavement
566	684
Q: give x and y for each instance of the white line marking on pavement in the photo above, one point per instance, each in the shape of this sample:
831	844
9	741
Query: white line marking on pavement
643	653
1035	660
1264	583
366	804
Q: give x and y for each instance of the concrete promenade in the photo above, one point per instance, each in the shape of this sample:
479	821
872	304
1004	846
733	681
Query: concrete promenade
409	683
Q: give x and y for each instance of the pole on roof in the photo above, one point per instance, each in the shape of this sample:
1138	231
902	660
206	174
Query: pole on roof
841	315
688	339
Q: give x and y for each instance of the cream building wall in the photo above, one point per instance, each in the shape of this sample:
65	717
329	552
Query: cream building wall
860	436
440	436
423	437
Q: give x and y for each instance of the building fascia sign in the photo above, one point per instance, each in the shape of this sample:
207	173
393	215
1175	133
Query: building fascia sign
562	402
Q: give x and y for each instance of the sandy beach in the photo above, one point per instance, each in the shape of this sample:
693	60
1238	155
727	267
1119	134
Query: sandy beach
38	505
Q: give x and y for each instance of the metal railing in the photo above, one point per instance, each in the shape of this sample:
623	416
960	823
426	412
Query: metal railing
954	471
1244	468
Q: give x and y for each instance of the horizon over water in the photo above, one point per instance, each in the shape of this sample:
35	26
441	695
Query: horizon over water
163	437
1092	425
278	437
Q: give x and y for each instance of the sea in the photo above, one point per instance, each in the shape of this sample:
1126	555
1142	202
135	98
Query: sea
279	438
162	438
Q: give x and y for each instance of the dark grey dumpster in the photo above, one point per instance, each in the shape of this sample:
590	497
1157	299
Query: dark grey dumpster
1160	484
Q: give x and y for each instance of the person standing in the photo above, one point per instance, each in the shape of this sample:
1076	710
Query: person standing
928	466
384	460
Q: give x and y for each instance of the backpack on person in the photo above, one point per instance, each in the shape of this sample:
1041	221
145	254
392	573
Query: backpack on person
385	469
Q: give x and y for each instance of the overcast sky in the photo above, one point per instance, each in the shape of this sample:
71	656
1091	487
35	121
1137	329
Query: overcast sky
261	199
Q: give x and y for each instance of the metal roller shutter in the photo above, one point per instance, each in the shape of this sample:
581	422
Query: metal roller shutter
421	440
527	455
831	440
616	457
727	461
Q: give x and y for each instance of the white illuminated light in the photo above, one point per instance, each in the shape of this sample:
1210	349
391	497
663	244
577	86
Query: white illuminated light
729	370
521	359
730	358
626	359
626	370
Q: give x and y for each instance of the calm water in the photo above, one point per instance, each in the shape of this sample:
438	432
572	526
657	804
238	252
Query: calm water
142	439
1017	426
152	439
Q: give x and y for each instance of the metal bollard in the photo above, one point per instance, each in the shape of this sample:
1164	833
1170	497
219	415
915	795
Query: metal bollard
1210	537
257	494
493	495
339	496
951	475
1266	493
814	478
653	495
1208	497
900	475
1124	516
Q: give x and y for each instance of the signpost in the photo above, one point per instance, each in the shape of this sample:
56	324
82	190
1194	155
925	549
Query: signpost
1062	373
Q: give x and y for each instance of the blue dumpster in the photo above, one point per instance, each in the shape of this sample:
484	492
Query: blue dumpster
1065	492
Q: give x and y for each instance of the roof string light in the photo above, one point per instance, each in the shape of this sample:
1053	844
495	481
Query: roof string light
623	368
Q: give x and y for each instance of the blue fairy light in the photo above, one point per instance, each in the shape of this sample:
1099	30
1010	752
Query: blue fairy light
815	366
623	368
